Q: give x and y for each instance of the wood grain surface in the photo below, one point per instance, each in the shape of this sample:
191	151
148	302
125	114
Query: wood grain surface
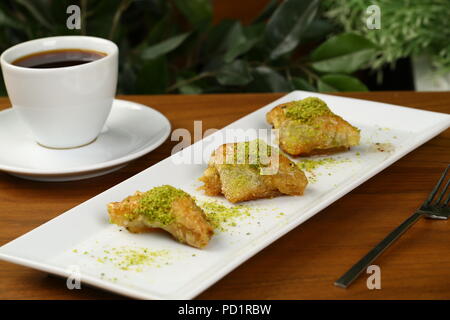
301	265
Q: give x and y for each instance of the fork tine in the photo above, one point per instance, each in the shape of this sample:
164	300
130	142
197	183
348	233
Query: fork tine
447	201
436	188
444	190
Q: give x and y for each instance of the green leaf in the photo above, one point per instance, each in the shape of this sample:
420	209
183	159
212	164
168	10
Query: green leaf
36	13
115	26
7	21
236	73
344	53
234	40
185	85
190	89
286	26
302	84
101	17
268	80
266	12
153	77
317	30
213	42
159	30
155	7
340	82
227	41
238	43
163	47
197	12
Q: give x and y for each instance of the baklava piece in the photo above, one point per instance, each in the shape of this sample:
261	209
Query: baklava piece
167	208
308	127
251	170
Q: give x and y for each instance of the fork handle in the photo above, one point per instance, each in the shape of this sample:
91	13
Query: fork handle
362	264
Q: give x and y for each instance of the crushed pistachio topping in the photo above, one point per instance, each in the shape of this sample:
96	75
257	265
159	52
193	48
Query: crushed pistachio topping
221	216
134	258
306	109
156	204
309	165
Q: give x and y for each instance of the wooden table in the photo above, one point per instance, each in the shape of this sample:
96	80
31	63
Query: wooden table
304	263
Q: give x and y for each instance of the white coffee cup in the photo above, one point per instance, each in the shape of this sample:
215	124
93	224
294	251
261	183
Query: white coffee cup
64	107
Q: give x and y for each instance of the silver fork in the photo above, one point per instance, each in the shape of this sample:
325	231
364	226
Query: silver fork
432	208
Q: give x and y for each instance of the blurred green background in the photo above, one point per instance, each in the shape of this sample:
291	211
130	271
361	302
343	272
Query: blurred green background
206	46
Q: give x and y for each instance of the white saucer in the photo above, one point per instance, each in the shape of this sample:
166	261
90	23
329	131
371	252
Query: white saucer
131	131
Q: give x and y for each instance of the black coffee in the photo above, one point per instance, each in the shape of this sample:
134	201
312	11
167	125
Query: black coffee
58	58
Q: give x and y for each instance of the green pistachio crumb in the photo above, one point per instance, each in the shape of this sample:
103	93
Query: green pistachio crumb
221	216
135	258
309	165
306	109
156	204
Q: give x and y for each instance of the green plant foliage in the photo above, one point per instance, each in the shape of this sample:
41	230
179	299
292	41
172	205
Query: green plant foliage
163	47
408	28
198	12
287	24
237	73
302	84
344	53
340	82
172	46
267	80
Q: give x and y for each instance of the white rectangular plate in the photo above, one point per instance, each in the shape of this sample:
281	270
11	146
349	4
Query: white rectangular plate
81	240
